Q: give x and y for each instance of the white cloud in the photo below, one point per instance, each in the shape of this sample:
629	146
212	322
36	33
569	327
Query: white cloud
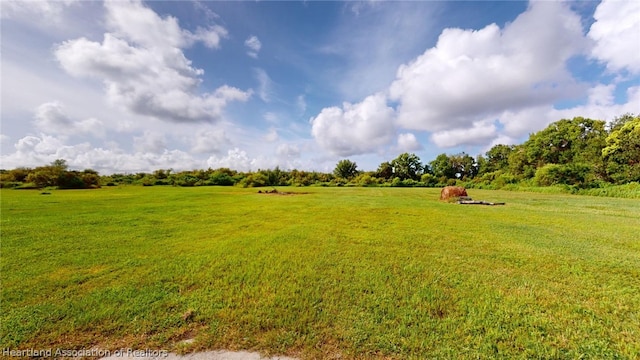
143	67
288	151
209	14
32	151
265	85
253	45
616	32
52	118
599	106
43	146
48	10
209	141
150	141
479	133
471	75
408	142
235	159
355	128
132	21
500	140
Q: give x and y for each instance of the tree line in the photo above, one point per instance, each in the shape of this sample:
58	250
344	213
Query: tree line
579	153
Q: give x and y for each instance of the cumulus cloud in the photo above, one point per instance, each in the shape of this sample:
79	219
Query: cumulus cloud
52	118
472	74
39	150
408	142
600	105
288	151
253	45
133	21
49	10
235	159
616	32
152	142
355	128
144	68
209	141
479	133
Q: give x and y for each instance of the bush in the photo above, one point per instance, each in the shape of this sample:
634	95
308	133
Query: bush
254	180
571	174
221	179
429	180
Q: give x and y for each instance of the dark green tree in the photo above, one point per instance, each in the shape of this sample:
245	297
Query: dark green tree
576	141
346	169
385	171
497	158
463	165
407	166
442	167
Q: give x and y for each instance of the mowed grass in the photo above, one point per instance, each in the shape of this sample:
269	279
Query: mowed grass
336	272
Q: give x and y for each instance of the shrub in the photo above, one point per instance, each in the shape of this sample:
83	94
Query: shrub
429	180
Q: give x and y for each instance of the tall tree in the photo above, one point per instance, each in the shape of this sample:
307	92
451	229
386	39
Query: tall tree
622	152
346	169
497	158
407	166
385	171
464	165
442	167
576	141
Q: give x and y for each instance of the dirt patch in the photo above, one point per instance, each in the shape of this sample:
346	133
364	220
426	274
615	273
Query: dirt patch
276	192
206	355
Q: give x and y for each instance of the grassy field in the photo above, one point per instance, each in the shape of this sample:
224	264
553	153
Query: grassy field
335	272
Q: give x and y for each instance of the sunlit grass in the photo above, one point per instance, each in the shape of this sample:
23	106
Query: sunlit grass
351	272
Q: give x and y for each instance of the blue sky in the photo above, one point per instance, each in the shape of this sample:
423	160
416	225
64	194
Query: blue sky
129	86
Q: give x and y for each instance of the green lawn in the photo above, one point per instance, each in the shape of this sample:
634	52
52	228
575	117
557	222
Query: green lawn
350	272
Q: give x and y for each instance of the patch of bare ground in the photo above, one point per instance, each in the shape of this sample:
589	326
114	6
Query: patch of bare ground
276	192
205	355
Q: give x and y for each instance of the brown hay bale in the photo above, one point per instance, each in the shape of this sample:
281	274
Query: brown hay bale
449	192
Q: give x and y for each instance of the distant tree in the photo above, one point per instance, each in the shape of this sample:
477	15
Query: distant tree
619	121
463	165
576	141
19	174
90	178
346	169
407	166
162	174
622	152
497	158
442	167
385	171
566	141
60	164
275	177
